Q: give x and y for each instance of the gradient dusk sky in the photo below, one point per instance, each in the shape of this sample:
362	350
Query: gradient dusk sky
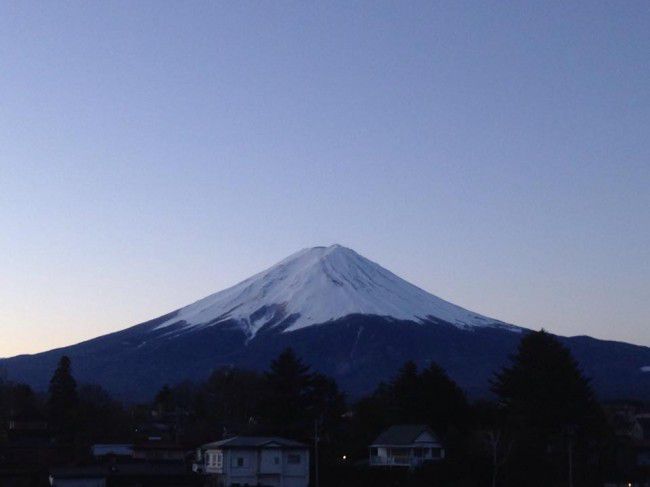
496	154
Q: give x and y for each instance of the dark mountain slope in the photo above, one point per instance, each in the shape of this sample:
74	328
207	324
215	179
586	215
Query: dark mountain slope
359	351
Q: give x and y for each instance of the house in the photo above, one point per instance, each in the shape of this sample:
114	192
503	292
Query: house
624	421
160	451
255	460
630	421
27	450
111	451
151	451
23	460
89	476
643	450
144	474
406	445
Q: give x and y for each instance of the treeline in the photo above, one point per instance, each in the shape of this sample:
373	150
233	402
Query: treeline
71	413
288	400
544	427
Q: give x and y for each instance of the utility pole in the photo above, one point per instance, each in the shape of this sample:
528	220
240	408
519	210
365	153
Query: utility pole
316	439
570	435
570	462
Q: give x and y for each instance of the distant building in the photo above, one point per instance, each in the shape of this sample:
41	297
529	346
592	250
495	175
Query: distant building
155	451
255	460
631	424
134	474
160	451
406	445
643	448
112	450
27	449
27	425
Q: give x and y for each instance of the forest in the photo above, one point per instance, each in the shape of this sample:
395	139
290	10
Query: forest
543	425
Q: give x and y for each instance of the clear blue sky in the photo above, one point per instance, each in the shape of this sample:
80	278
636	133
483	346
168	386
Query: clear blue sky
496	154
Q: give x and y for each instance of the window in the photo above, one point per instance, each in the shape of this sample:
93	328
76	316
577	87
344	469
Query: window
239	462
276	460
374	451
436	452
210	457
293	459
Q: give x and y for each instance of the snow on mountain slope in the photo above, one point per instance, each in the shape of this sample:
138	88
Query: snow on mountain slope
320	284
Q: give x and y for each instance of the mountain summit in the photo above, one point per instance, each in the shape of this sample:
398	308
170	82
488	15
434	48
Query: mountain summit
318	285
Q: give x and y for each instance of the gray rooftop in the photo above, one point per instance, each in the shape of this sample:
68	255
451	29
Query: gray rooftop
402	434
254	442
120	470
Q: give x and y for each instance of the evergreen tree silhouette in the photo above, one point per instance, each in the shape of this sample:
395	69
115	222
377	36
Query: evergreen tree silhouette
288	382
444	403
164	400
406	392
552	408
62	401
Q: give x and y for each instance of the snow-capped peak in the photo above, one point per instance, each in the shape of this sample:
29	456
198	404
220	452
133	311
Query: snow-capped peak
320	284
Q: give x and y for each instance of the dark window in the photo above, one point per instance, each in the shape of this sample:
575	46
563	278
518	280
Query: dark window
293	458
436	452
374	452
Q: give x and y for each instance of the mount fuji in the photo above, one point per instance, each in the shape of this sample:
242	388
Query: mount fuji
344	314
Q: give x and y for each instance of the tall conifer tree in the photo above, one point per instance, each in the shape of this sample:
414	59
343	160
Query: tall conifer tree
552	408
63	401
288	381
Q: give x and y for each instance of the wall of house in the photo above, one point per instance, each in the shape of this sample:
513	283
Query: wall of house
233	473
271	461
295	481
259	466
158	454
295	474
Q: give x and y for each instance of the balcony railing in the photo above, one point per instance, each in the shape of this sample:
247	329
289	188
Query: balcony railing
397	461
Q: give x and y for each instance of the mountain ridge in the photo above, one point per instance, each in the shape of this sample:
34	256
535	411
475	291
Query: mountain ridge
360	323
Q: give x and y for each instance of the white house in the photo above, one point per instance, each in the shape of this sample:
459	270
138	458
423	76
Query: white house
406	445
255	460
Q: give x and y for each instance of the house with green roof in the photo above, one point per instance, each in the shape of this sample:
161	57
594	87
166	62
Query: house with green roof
406	445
